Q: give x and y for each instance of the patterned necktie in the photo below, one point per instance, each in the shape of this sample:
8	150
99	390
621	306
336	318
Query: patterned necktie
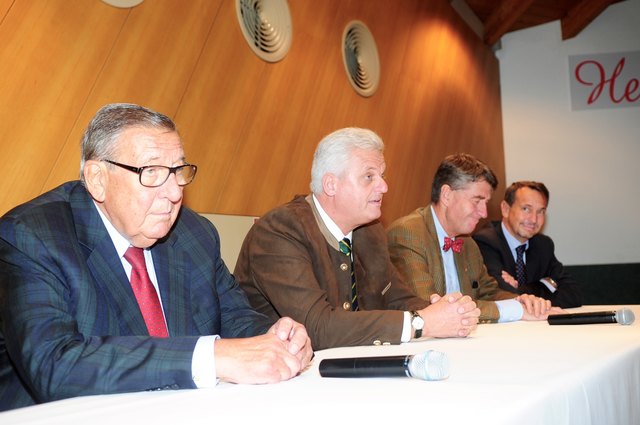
521	272
145	293
345	248
455	244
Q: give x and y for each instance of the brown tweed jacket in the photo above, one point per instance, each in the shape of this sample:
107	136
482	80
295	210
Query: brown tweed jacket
416	253
290	265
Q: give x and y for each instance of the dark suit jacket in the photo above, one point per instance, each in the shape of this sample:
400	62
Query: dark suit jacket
290	265
541	262
69	322
416	253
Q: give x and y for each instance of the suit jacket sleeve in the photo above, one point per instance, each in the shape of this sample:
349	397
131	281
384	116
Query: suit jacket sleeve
421	267
569	293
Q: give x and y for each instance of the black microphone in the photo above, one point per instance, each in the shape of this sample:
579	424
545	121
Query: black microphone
624	317
429	366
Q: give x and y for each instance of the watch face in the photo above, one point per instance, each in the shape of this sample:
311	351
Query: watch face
418	322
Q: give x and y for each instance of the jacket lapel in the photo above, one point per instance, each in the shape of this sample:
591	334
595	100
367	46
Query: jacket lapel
434	255
172	281
505	250
105	266
462	260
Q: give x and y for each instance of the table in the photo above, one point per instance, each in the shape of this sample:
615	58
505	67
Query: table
509	373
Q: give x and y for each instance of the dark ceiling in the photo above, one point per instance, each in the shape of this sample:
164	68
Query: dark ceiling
503	16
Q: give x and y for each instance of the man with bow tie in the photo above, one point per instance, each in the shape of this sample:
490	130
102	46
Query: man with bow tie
432	248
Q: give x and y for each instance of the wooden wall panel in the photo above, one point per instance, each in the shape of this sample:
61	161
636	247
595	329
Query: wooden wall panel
4	8
250	126
149	61
49	56
284	133
220	109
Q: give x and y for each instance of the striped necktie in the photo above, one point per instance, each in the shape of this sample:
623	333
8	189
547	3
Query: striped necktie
345	248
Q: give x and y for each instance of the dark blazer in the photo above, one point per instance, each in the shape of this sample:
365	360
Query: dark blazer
541	262
416	253
290	265
69	322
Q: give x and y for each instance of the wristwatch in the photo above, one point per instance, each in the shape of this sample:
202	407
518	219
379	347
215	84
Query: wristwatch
417	323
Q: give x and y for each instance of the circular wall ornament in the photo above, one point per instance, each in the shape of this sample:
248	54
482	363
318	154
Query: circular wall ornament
266	26
123	3
360	57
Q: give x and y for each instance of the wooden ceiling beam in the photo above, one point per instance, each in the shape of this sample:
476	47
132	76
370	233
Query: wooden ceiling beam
503	18
581	15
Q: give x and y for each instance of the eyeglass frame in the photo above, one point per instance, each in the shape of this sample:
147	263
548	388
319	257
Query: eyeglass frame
139	170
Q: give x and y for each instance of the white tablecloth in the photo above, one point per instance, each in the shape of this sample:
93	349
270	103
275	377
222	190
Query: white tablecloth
510	373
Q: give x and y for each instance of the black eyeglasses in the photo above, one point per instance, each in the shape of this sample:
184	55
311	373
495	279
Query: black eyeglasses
156	175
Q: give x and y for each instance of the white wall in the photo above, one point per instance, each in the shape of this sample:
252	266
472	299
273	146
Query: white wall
589	160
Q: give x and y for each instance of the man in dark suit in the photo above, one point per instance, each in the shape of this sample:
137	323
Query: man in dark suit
433	251
523	214
72	324
296	262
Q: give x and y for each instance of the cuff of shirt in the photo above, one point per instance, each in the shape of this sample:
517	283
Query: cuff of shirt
203	362
548	285
510	310
406	328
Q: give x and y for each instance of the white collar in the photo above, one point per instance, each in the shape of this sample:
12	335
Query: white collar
331	225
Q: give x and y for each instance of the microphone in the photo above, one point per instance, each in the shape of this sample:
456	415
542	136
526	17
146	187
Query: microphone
429	366
624	317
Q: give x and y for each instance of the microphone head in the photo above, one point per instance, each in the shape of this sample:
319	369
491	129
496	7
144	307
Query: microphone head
429	366
625	316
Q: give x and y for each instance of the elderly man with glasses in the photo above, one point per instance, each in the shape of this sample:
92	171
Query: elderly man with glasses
109	285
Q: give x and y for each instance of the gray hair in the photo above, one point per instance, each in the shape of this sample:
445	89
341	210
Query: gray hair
334	150
457	171
98	140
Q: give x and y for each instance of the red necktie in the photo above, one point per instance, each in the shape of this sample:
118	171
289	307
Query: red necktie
145	293
455	244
